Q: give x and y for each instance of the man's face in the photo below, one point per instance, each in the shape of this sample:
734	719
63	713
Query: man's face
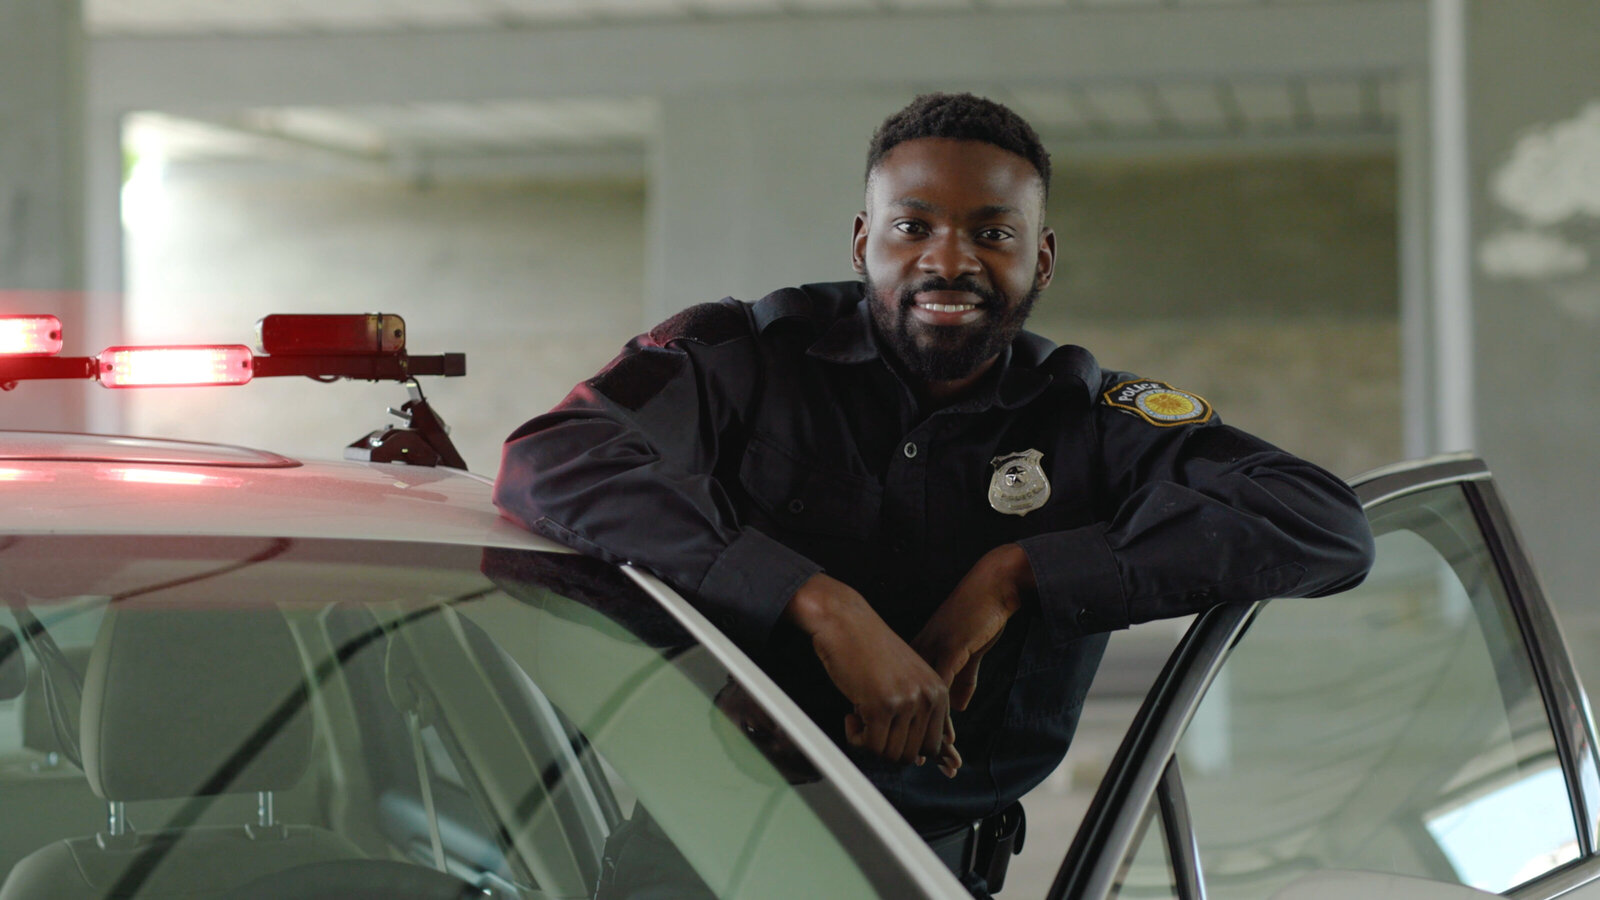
954	251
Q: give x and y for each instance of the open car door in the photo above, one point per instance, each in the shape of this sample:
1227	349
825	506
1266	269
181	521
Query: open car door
1422	735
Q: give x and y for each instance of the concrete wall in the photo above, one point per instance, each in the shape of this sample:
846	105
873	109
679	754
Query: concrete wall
539	285
753	192
1265	284
1268	284
1534	141
41	190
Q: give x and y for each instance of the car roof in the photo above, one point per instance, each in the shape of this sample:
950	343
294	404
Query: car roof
96	484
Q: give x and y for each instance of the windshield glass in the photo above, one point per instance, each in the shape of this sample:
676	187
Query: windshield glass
205	715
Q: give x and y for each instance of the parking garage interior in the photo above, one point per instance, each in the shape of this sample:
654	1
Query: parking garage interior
1364	229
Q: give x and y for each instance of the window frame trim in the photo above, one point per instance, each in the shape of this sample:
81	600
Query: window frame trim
1182	846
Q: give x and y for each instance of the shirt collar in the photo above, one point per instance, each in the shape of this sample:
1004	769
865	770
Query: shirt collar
849	339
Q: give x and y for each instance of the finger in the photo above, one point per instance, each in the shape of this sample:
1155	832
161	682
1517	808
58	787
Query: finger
901	747
932	734
949	757
853	729
949	762
877	734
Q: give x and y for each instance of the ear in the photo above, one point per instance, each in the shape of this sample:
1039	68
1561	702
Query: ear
1047	258
858	244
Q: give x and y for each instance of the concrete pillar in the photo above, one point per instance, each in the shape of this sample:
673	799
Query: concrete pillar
1533	137
42	51
1419	369
750	193
1450	223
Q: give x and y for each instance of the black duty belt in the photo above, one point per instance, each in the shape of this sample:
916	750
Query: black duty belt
983	847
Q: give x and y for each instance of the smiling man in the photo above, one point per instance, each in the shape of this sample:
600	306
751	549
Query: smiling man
877	486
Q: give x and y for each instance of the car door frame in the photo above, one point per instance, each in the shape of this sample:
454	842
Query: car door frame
1141	772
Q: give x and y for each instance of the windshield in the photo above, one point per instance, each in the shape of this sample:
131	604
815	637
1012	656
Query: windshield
205	715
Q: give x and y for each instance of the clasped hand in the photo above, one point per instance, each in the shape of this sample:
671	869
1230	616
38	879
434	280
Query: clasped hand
902	693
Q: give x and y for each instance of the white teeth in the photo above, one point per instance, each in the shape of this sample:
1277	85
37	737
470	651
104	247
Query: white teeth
948	307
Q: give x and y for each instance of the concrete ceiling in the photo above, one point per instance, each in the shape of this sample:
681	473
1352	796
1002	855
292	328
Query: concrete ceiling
1158	98
309	16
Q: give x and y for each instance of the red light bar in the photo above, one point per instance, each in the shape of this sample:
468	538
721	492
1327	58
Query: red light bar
122	367
331	335
30	335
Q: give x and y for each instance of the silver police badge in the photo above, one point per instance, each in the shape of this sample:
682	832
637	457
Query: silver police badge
1018	486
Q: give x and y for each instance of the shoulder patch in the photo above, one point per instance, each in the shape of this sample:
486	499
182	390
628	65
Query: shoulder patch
704	323
1158	403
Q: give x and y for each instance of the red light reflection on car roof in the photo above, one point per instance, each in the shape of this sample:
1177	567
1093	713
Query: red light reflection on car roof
169	476
26	475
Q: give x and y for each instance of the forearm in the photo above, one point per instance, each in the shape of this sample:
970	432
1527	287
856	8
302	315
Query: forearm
593	485
1262	525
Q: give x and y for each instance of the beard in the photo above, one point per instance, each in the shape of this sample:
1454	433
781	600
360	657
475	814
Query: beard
947	352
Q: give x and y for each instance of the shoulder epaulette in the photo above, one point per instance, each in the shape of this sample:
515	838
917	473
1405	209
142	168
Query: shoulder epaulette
705	323
1074	368
817	305
785	303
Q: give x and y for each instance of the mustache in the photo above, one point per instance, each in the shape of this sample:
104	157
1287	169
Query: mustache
966	283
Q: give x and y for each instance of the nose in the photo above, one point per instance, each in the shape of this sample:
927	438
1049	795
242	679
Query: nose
949	254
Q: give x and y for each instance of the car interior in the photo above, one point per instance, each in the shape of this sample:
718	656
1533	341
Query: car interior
220	717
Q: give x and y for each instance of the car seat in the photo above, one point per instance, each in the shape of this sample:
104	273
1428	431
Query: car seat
183	701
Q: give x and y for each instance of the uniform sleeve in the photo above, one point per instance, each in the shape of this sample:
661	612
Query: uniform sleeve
1204	514
622	469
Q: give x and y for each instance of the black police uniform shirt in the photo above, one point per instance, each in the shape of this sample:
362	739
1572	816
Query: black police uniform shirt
737	449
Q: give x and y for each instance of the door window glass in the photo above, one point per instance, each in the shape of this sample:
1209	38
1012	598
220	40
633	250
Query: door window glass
1395	728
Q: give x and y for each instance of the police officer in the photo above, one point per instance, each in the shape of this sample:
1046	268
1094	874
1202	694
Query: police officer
921	519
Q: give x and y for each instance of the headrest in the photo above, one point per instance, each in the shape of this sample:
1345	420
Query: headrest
180	701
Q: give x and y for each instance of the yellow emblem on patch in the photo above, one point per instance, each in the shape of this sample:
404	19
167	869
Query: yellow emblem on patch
1158	403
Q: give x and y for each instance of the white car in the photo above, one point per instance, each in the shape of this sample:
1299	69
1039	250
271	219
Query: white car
226	673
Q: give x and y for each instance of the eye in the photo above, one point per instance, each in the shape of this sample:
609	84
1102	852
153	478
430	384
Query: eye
910	226
994	234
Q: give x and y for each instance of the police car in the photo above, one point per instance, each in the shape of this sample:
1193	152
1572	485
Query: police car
228	673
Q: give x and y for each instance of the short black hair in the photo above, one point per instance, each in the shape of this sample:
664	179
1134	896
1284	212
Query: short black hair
964	117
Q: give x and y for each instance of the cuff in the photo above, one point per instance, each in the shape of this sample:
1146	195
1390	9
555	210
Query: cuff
1080	591
748	587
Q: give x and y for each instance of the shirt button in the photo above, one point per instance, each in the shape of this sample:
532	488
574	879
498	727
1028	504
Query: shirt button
1088	622
797	506
910	449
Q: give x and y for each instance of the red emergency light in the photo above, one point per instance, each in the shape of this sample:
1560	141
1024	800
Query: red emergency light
366	347
30	335
188	366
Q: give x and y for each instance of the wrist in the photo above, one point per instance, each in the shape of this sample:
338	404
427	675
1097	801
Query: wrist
819	602
1015	570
